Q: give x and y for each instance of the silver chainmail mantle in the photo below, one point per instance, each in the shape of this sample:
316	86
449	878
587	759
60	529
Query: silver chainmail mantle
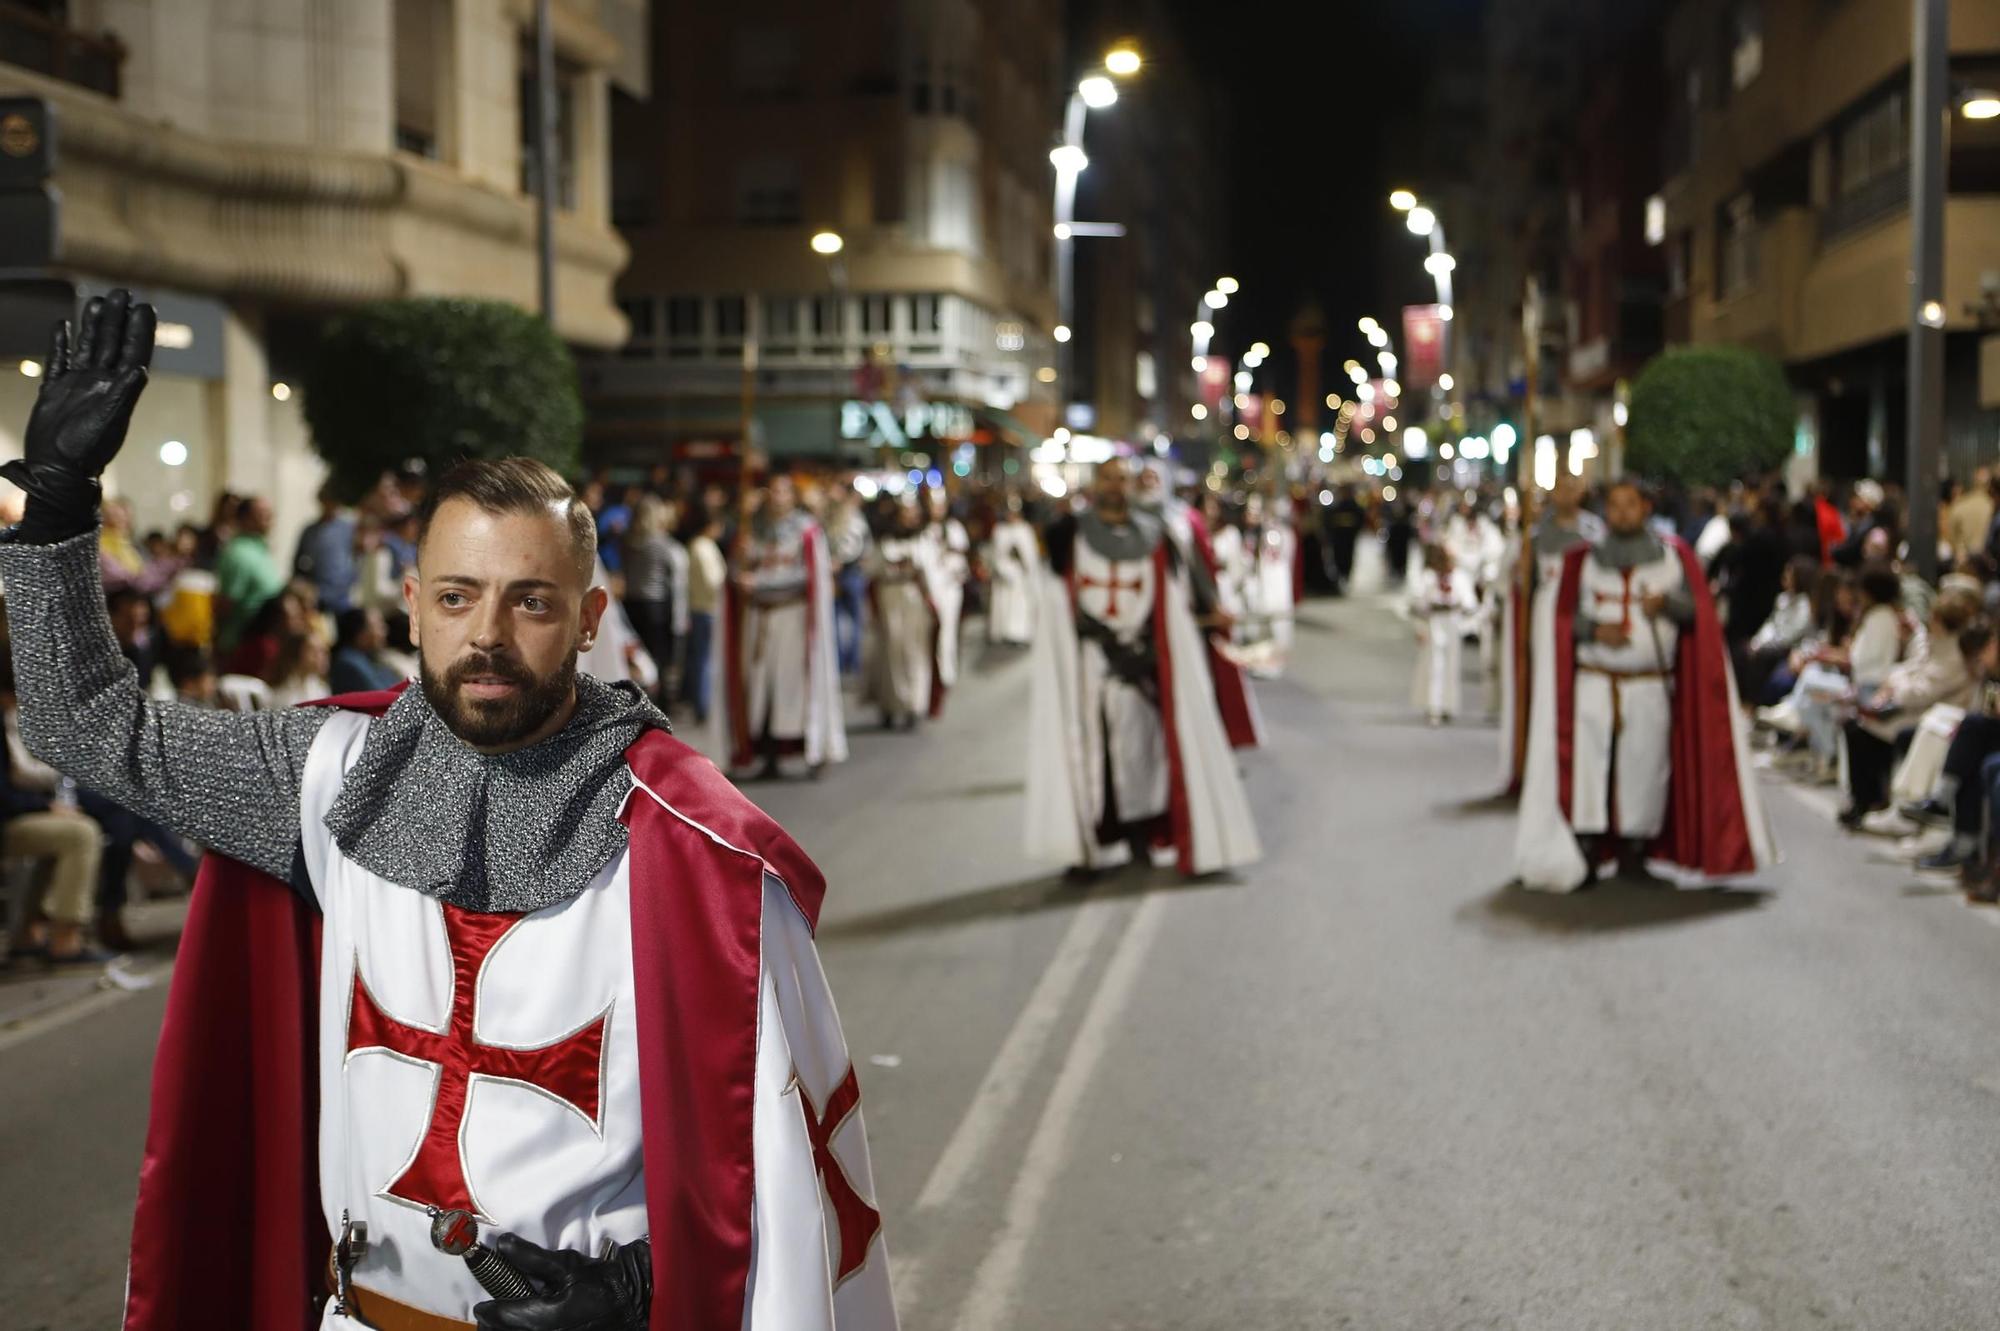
516	831
492	832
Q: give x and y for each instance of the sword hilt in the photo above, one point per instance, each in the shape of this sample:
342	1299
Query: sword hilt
456	1234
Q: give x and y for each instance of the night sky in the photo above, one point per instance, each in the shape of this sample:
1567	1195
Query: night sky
1325	102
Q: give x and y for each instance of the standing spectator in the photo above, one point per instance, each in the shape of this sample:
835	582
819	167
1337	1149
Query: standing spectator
358	665
652	559
707	573
1344	523
613	520
247	575
848	539
1864	505
325	556
263	642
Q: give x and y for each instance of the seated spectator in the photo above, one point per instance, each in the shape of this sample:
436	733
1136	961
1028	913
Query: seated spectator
247	573
326	553
1886	716
1834	676
282	619
1788	625
193	676
132	624
122	564
358	665
40	820
299	673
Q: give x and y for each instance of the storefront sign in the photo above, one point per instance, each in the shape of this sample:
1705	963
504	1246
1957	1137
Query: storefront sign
882	425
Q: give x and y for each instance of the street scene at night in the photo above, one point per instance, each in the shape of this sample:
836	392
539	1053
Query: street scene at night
987	666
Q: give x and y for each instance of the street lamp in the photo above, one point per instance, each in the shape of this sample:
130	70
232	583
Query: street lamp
1979	104
827	242
1421	221
1437	265
1069	159
1201	330
1402	200
1061	333
1228	286
1097	92
1123	60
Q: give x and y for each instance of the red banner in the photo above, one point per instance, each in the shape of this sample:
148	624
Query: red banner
1423	347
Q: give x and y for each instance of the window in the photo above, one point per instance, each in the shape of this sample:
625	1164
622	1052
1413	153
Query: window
684	327
729	316
768	193
643	314
1746	43
422	67
875	315
925	315
531	153
765	62
954	206
45	36
826	325
1677	266
1737	243
1874	143
780	333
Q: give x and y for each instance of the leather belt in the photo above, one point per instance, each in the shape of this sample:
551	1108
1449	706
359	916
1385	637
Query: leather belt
383	1313
1622	674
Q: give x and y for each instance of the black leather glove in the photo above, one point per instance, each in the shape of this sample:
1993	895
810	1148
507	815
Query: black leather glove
81	415
573	1292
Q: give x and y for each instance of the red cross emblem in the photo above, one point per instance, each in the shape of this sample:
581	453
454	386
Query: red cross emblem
570	1068
857	1220
1111	584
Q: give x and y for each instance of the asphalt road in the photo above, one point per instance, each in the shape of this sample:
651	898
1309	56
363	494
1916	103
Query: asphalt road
1367	1085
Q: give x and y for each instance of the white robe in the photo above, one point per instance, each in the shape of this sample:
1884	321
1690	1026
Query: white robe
533	1162
1014	557
1268	573
1441	605
1071	704
789	659
905	629
949	566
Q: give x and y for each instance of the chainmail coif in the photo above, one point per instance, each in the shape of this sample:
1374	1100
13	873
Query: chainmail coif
492	832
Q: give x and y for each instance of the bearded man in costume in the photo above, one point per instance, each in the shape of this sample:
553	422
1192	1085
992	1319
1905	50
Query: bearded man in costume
1195	543
503	1007
1637	750
1126	750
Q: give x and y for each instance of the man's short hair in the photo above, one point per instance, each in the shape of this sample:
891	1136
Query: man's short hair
1632	483
513	485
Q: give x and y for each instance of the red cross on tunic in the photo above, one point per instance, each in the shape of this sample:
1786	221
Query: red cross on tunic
569	1069
1114	586
857	1220
1623	601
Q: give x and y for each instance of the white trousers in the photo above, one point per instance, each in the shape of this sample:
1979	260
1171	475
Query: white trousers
775	670
1622	763
1437	688
903	649
1121	728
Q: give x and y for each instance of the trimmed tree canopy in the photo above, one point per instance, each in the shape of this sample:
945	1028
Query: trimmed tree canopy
1709	415
437	381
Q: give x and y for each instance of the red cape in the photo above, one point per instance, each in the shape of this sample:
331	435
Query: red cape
1232	692
1706	830
229	1234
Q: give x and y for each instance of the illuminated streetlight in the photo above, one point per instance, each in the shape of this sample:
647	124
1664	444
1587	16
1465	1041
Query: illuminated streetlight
1388	422
1422	221
1064	231
1061	333
1202	328
1277	406
1097	92
1392	388
1068	157
1980	104
1215	300
1242	401
1368	324
1446	382
1333	402
1198	411
1123	60
1200	364
1243	381
1261	350
282	392
827	242
1933	314
31	368
1437	265
1228	286
1387	360
1358	375
1402	200
1378	338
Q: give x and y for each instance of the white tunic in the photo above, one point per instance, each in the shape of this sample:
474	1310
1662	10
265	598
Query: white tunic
900	680
1442	605
1624	702
1121	722
1014	557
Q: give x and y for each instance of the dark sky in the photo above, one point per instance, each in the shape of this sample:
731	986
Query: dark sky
1325	100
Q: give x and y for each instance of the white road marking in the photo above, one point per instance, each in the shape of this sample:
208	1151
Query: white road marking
1006	1080
989	1303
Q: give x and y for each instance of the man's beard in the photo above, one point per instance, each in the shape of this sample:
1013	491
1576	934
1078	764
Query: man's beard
492	723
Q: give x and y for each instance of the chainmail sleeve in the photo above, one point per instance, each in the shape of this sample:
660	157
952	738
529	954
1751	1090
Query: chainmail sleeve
228	780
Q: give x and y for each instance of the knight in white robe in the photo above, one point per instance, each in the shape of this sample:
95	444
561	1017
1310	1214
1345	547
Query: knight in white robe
1270	558
1127	752
1637	684
1014	559
1442	603
777	658
900	676
950	565
1528	612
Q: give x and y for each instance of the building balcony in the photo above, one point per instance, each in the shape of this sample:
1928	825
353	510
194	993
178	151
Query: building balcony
31	39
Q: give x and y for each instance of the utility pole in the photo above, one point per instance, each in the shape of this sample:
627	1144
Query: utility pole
1925	422
548	169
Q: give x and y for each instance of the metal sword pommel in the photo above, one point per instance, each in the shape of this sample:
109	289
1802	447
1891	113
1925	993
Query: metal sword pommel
456	1234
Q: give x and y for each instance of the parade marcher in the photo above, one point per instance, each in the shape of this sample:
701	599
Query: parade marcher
1269	572
1189	529
1126	751
1442	606
1528	613
1345	521
1015	557
776	659
494	957
902	676
950	564
847	540
1637	748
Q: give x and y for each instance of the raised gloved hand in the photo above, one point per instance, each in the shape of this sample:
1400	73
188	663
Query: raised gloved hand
81	415
573	1292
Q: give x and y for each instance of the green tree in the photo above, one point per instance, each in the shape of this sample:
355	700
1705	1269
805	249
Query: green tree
436	381
1709	415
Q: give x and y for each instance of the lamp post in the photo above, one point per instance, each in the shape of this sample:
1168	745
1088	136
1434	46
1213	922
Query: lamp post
1439	263
1094	92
